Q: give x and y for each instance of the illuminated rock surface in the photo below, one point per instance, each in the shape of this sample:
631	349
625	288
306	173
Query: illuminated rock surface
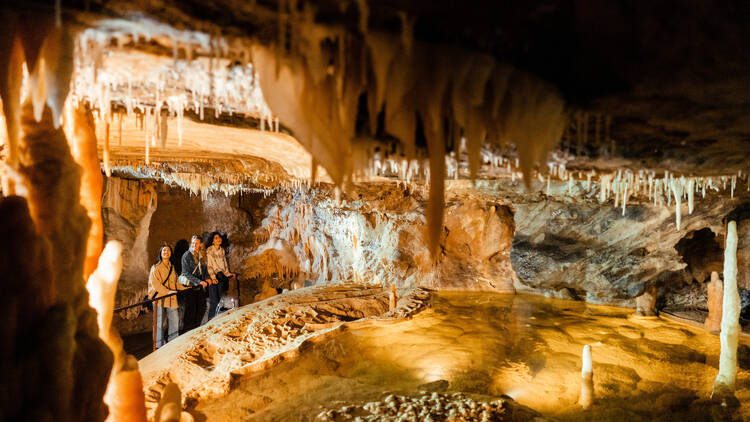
573	149
485	345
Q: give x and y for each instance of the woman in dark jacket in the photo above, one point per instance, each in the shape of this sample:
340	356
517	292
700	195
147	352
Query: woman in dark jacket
194	273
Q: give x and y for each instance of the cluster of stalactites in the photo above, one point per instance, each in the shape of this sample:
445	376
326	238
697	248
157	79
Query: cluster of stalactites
314	78
583	125
203	184
205	72
623	184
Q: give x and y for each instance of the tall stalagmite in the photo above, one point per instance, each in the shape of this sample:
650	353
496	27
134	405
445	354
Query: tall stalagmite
59	370
725	380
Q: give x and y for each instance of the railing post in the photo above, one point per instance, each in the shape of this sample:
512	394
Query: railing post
237	281
155	310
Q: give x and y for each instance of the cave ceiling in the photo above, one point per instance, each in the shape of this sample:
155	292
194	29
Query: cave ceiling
670	81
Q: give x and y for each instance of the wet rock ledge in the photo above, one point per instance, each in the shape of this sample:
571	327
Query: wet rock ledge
256	337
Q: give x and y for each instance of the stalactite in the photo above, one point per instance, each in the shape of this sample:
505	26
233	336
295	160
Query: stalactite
691	194
79	131
407	31
163	125
11	76
106	152
677	190
604	182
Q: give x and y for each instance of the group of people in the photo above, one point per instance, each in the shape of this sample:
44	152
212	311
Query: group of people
204	273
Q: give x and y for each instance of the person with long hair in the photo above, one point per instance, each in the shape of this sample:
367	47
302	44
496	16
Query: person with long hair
194	273
218	272
162	281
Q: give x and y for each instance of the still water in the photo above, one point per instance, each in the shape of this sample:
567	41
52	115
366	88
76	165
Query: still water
526	347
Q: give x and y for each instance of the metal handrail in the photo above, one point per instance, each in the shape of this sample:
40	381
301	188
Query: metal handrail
161	298
154	299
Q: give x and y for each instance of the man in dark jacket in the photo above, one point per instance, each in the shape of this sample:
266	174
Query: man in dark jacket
194	273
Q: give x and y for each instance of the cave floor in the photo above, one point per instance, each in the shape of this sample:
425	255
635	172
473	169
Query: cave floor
487	345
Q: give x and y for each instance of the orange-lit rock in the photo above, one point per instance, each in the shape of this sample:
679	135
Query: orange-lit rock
646	303
715	297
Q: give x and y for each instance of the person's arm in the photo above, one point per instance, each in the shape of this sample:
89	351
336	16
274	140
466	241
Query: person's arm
226	264
187	267
211	264
157	285
172	283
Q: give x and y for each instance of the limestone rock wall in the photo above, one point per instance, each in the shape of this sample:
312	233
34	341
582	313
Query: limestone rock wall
181	215
127	209
375	235
572	246
496	236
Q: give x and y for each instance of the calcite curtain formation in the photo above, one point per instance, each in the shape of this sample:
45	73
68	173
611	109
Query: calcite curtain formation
319	80
314	83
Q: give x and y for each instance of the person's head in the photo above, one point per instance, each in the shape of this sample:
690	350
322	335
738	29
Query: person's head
216	239
195	245
165	252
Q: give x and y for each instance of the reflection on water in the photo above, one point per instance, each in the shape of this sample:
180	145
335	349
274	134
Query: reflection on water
523	346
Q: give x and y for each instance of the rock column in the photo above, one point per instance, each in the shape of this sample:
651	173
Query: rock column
725	380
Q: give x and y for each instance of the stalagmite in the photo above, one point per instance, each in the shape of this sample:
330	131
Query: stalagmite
124	394
715	295
587	378
67	353
725	380
392	297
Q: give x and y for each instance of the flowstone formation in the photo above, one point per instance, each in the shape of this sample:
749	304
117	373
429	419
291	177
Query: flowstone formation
374	235
367	122
257	337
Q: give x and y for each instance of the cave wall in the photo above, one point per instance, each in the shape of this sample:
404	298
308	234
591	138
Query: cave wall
496	237
181	215
572	246
144	214
127	208
376	236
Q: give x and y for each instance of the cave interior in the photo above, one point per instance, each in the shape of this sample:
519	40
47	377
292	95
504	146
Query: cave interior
495	211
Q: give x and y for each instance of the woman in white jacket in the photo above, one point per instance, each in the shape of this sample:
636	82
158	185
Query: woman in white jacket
218	272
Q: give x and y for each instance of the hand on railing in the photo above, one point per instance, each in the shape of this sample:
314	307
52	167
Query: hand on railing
153	299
